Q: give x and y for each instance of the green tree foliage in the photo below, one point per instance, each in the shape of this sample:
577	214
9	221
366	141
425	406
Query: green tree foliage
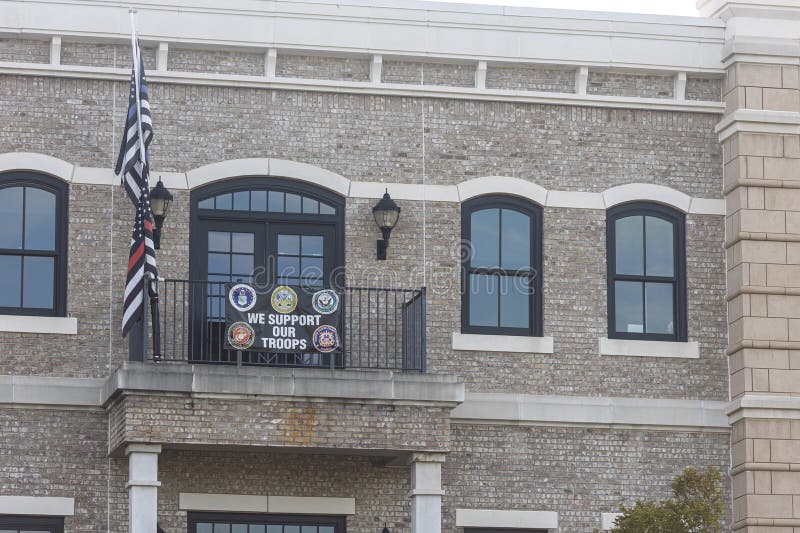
696	506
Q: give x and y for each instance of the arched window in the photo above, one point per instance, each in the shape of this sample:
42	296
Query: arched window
33	244
646	272
501	270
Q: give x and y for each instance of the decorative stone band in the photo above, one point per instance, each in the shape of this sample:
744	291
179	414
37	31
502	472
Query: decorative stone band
635	348
607	520
400	191
55	325
242	503
37	506
523	409
477	408
506	519
763	407
502	343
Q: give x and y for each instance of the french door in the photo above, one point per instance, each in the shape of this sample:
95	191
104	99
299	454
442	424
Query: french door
246	523
259	237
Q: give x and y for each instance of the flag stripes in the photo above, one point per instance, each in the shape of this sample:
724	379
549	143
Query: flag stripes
133	169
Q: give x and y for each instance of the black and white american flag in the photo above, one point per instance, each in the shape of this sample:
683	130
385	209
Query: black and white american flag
133	169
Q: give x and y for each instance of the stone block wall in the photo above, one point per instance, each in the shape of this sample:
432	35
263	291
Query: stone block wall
763	224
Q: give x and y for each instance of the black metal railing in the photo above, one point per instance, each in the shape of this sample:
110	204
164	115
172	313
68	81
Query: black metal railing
380	329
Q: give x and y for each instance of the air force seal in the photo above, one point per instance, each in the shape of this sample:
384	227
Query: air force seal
325	339
325	301
242	297
284	299
241	336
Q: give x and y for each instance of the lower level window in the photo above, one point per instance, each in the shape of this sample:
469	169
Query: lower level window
247	523
31	524
473	530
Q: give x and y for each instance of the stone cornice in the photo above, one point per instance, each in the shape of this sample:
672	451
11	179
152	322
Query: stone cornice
391	28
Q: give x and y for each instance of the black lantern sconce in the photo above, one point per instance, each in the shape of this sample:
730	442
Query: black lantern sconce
386	214
160	198
385	529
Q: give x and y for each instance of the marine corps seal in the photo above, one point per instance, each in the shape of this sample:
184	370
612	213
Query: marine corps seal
241	336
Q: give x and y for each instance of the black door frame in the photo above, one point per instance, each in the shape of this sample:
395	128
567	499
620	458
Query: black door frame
198	216
338	522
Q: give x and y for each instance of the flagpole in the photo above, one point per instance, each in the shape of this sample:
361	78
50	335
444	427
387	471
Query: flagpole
136	62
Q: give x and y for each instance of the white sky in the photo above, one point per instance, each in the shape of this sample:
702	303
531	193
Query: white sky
661	7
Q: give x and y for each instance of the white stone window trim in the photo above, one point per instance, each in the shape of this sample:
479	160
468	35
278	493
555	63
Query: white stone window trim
644	348
502	343
368	189
56	325
506	519
37	506
607	520
243	503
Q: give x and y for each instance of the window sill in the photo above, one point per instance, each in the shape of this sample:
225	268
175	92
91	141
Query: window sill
37	506
631	348
39	324
502	343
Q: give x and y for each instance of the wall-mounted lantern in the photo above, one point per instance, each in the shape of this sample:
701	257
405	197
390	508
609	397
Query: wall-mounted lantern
386	214
385	529
160	198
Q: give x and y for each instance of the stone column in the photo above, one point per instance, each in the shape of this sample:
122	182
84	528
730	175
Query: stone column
143	487
426	492
761	155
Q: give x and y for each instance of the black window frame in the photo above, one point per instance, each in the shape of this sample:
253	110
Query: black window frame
535	305
61	191
502	530
54	524
337	521
198	216
678	219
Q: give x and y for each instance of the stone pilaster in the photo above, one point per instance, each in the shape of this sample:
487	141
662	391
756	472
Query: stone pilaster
760	134
143	487
426	492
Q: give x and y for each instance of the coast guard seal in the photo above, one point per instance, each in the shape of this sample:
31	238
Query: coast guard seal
325	339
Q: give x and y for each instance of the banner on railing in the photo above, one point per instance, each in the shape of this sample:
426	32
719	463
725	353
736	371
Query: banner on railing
281	319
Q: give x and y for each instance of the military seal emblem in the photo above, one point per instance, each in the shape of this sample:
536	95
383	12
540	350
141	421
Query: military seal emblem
241	336
325	301
284	299
325	339
242	297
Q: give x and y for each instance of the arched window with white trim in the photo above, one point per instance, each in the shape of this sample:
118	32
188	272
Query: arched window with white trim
646	272
33	244
502	266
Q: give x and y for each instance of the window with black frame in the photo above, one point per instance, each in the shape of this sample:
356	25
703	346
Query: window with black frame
31	524
646	272
33	244
253	523
483	530
501	267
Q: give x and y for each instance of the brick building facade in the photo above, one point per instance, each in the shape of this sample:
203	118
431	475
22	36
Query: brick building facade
429	419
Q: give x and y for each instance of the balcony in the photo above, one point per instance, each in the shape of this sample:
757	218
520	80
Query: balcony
380	329
372	395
